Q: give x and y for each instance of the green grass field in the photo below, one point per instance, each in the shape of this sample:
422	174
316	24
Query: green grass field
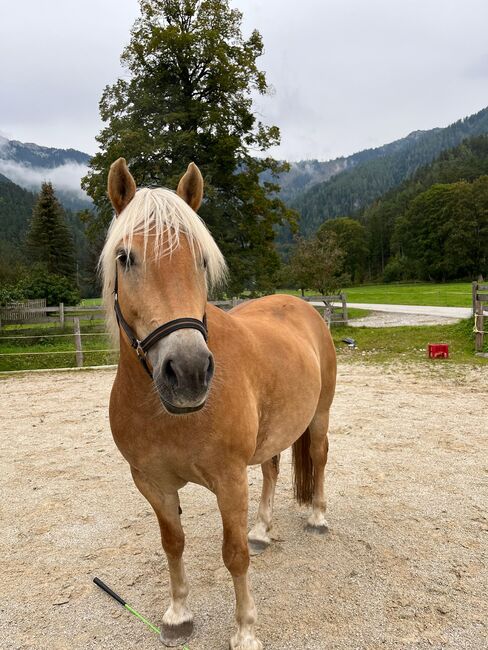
388	344
373	345
382	344
454	294
50	346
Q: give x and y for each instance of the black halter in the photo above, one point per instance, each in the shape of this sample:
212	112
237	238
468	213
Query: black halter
142	347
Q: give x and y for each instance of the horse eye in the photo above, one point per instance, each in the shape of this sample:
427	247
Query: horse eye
204	262
125	259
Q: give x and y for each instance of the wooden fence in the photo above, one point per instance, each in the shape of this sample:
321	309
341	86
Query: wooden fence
480	311
62	315
43	314
25	311
334	309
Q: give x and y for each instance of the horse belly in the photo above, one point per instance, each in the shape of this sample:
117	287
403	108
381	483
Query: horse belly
285	421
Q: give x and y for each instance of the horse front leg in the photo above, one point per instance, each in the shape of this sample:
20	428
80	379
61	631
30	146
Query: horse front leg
177	626
232	498
258	537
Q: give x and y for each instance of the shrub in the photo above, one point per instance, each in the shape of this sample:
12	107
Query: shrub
55	288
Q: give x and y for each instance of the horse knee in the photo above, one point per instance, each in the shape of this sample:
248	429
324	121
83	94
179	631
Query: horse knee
173	540
235	554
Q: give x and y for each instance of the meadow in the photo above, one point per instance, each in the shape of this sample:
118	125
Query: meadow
373	344
453	294
378	345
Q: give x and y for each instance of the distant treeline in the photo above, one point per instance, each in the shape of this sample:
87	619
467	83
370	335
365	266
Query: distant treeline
433	226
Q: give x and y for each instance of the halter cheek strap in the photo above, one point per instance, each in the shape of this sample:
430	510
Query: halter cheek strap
142	347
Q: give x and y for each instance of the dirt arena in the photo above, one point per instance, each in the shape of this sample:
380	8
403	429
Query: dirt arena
403	566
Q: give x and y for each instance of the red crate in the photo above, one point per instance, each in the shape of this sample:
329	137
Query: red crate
438	350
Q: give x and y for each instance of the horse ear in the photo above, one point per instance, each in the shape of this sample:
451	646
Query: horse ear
121	186
190	187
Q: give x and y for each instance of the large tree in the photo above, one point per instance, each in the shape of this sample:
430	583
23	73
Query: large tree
317	264
187	96
49	240
444	233
352	239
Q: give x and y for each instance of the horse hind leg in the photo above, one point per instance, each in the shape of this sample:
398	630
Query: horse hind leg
309	460
258	537
319	447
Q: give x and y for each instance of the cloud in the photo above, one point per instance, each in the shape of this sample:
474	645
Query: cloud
65	177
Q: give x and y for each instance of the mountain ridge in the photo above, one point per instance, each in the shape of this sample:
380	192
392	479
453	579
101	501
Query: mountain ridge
375	171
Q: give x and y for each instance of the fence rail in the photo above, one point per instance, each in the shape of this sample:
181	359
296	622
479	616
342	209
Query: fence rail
61	315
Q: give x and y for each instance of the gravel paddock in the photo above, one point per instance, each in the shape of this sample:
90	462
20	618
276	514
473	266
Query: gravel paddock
404	564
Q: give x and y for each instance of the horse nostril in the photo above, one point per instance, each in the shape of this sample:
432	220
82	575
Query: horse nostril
210	370
170	374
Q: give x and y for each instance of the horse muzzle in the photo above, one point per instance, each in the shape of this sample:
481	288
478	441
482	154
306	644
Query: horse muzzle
183	372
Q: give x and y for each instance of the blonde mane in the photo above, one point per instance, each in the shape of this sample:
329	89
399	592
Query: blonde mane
162	214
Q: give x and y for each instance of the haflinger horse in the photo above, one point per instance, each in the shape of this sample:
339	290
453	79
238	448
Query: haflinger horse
200	394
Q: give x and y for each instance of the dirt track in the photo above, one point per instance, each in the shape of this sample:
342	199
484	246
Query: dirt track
403	566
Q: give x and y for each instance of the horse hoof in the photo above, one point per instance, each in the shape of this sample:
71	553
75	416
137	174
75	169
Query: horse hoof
322	529
257	546
248	644
175	635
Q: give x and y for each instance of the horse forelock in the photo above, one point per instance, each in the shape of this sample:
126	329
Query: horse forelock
162	215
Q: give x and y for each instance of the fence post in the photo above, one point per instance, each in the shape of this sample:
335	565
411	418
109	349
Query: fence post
474	291
479	326
79	351
61	314
344	308
328	311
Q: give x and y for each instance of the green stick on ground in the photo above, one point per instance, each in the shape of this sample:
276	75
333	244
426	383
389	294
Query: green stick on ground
120	600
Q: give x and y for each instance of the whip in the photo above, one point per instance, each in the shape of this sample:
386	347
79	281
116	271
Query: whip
120	600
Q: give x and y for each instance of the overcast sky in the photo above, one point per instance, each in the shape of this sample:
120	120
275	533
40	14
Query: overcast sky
346	74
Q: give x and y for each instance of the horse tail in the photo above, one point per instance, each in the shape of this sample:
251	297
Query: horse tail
303	476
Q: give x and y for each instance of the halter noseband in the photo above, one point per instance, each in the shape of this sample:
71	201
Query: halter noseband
142	347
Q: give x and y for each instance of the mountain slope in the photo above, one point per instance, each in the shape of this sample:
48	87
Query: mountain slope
28	165
306	173
466	162
380	170
28	153
15	210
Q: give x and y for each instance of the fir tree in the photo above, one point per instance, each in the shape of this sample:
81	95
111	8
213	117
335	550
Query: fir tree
187	97
49	240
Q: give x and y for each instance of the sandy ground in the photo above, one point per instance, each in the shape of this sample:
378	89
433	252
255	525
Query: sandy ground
391	319
403	566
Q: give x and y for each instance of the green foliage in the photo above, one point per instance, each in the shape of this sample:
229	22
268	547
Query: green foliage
54	287
352	239
444	232
16	206
317	264
49	241
11	293
466	162
187	96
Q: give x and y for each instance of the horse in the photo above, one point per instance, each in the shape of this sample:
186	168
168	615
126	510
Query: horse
200	394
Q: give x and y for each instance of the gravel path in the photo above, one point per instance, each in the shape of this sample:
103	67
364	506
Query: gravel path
403	566
396	319
421	310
